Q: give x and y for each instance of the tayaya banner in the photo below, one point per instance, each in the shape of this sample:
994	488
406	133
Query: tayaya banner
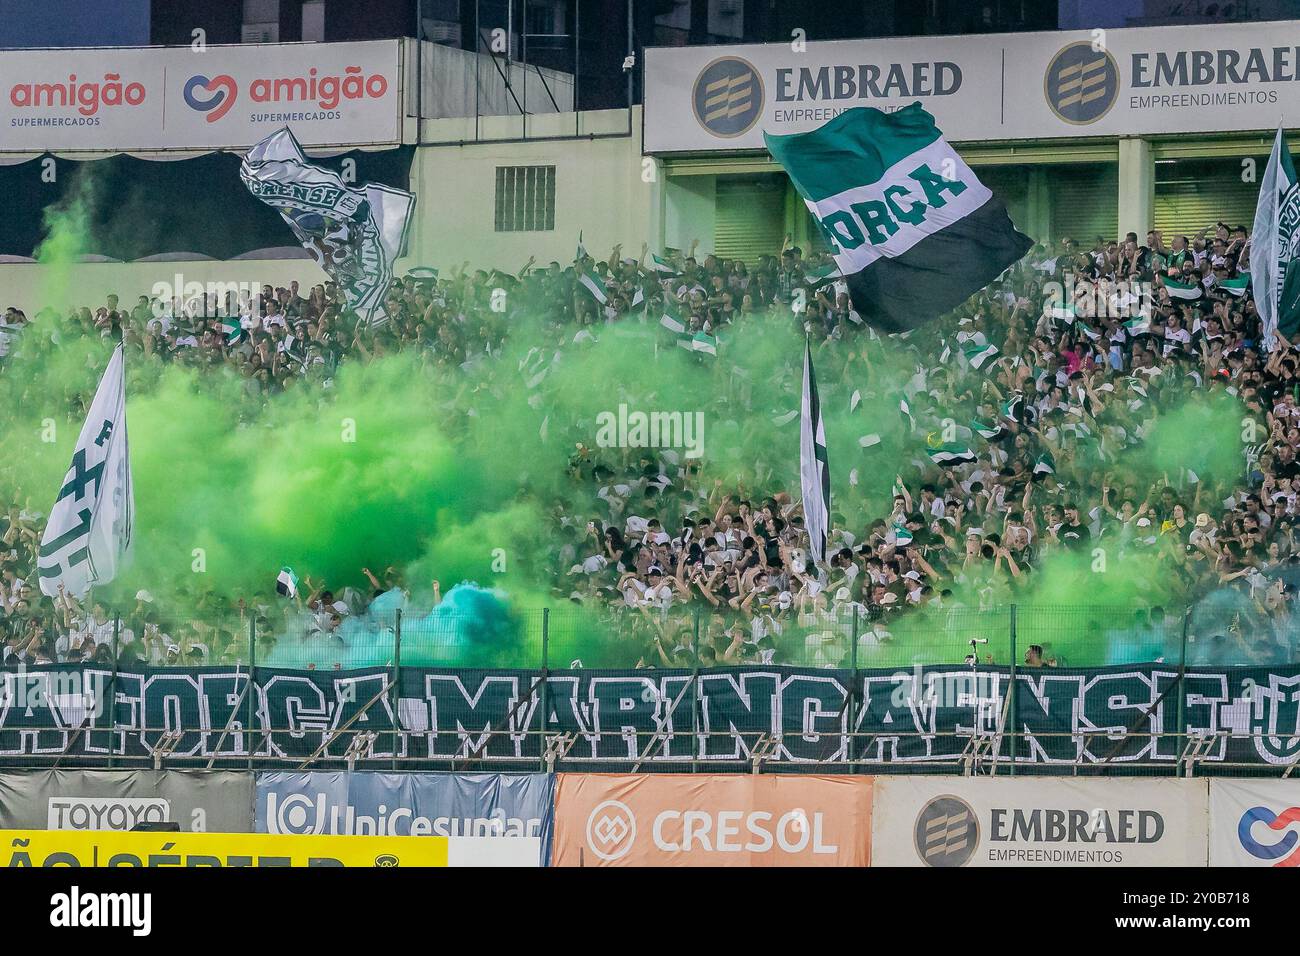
196	800
355	233
653	718
403	804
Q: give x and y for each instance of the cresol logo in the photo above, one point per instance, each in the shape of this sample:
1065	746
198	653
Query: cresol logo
85	96
216	95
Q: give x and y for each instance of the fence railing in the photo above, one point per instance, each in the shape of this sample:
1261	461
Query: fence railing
851	636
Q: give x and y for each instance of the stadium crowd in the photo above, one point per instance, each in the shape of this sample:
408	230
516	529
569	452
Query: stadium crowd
1023	404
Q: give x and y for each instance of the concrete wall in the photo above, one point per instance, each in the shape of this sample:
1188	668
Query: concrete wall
599	189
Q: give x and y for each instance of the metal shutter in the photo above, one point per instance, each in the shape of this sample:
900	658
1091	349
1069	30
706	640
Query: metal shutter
1085	202
1011	185
750	217
1193	194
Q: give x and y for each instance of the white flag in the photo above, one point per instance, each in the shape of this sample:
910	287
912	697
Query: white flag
88	537
1275	244
814	471
355	233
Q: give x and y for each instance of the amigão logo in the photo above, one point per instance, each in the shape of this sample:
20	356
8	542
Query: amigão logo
1284	850
222	88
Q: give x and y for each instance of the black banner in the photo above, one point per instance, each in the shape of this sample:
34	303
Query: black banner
657	719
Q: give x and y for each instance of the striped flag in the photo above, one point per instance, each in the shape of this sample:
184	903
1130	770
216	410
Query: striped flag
1183	290
950	454
233	328
1237	286
1044	465
814	470
1275	244
901	535
593	284
581	253
987	430
912	229
1013	407
672	317
1139	326
286	583
980	355
662	266
699	342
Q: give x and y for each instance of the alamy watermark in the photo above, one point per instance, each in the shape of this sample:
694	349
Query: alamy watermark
624	429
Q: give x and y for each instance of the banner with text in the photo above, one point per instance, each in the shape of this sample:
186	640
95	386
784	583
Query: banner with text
220	97
196	800
1135	81
1115	716
712	820
402	804
983	821
110	849
1255	822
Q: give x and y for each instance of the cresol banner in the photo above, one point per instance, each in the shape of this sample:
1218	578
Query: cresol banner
712	820
656	718
197	800
395	804
1037	821
1255	822
220	97
1136	81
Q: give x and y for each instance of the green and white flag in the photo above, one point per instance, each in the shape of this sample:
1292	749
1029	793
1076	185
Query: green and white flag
662	266
905	410
822	275
913	230
980	355
581	252
1044	465
1183	290
593	284
699	342
901	535
987	430
233	328
1013	407
950	454
1139	326
672	317
1275	244
1237	286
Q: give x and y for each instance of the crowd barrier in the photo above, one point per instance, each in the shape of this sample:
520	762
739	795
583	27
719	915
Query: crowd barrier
1147	719
56	817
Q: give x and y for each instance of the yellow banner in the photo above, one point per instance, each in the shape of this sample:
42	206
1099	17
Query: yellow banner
117	848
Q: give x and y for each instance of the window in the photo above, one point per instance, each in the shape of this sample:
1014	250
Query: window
525	198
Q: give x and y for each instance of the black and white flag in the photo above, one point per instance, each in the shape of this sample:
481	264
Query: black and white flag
814	472
88	537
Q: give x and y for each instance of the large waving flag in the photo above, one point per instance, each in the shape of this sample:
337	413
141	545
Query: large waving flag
355	233
814	471
1275	244
88	537
912	229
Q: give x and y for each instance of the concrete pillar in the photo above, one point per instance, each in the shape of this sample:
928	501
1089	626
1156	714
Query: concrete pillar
1137	187
1038	205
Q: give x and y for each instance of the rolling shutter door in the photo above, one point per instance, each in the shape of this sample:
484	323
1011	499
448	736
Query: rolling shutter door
750	217
1011	185
1193	194
1085	202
